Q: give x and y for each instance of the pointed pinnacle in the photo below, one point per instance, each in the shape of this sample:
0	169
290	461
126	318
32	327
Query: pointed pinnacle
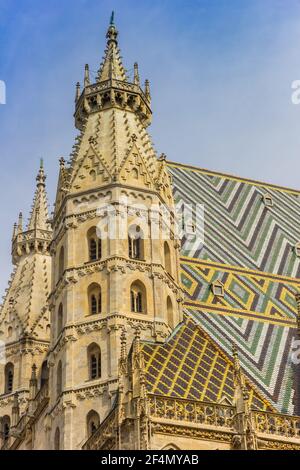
136	74
112	32
15	231
147	89
41	177
112	18
87	76
78	93
20	223
235	357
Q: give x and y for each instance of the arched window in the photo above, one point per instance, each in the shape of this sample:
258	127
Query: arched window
59	379
94	361
9	331
170	312
61	262
138	297
135	242
57	439
94	244
95	299
60	318
9	377
167	258
5	428
44	374
92	422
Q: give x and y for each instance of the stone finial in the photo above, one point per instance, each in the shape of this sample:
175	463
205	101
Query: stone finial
136	78
235	356
147	89
86	76
15	231
112	32
62	163
33	383
78	92
112	18
20	223
41	177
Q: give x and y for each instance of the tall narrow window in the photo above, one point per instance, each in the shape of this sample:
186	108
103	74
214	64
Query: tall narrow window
93	250
44	374
138	297
95	245
135	242
57	439
5	428
60	317
95	299
167	258
93	422
59	379
9	377
94	305
94	360
170	312
61	262
139	302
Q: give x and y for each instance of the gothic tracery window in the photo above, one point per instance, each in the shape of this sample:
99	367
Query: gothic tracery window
95	299
138	297
135	242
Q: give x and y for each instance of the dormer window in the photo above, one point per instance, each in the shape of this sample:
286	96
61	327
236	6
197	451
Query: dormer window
268	200
218	289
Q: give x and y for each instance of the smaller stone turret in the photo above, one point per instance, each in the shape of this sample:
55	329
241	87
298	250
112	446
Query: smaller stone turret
37	235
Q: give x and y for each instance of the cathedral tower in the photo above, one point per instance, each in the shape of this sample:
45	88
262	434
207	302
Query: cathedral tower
24	315
115	254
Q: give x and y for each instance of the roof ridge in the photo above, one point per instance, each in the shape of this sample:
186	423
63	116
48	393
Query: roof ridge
234	177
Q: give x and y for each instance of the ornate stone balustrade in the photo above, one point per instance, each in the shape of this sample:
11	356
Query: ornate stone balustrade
191	411
270	427
277	424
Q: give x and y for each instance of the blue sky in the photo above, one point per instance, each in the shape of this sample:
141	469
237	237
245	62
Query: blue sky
220	74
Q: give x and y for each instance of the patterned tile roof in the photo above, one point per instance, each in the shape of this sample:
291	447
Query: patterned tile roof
250	248
189	365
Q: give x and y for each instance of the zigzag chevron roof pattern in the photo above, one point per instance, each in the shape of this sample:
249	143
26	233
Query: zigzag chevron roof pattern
250	248
239	229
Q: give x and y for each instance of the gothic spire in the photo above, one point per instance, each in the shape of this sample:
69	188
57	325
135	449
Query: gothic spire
112	67
39	215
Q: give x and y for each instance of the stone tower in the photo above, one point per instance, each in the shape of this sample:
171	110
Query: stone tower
24	315
115	254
